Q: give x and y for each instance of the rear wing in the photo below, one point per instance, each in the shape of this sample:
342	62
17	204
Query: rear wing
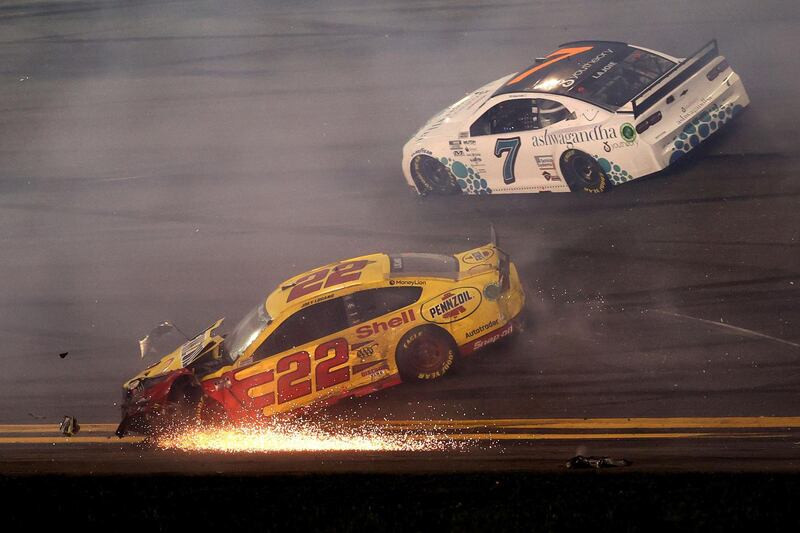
674	78
503	261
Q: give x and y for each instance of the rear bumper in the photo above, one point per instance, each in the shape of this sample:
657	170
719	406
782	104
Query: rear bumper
513	318
692	127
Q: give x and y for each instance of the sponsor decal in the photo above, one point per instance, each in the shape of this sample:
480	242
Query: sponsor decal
424	151
367	330
550	177
475	159
627	132
379	371
407	282
505	332
481	329
478	256
361	367
570	81
456	148
545	162
463	134
469	141
609	146
452	305
367	351
689	112
597	133
548	167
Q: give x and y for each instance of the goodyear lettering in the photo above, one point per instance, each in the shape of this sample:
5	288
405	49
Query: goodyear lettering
367	330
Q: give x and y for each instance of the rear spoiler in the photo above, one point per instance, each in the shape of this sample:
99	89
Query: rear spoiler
674	78
503	261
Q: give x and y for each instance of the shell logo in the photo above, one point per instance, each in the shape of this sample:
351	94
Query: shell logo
452	305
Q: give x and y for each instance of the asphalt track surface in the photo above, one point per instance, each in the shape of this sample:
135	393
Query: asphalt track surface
176	160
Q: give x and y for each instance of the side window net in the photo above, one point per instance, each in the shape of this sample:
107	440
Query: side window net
313	322
521	114
373	303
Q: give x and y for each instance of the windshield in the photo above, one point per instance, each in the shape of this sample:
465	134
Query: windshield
246	331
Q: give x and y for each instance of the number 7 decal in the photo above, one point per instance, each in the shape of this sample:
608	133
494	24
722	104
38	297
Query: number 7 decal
512	147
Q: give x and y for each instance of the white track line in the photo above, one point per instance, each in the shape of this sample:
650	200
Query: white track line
744	331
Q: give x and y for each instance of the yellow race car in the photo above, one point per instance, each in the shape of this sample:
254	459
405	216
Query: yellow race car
349	328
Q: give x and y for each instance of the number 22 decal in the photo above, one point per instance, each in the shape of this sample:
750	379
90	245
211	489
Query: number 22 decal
512	147
294	375
341	273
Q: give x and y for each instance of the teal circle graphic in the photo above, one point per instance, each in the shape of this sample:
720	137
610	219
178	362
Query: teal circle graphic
459	169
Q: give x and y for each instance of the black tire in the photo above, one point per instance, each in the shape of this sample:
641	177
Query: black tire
432	176
583	173
425	353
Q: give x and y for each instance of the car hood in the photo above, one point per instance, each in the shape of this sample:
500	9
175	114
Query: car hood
451	121
183	356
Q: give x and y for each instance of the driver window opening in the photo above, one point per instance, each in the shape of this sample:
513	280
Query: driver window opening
520	114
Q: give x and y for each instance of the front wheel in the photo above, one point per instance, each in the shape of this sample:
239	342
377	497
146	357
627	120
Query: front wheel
182	407
583	173
432	176
425	353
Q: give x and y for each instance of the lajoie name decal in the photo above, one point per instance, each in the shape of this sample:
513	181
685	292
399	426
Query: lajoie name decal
451	306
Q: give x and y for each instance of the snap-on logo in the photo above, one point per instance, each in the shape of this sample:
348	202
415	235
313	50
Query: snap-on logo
452	305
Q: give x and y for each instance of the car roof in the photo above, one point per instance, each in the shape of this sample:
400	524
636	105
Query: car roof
562	64
278	302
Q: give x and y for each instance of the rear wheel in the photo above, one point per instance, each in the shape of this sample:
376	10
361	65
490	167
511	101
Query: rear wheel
432	176
583	173
425	353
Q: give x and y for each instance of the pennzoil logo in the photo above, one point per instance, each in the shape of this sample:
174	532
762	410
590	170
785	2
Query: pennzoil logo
451	306
478	256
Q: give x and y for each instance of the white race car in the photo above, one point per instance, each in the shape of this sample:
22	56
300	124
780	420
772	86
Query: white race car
591	115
